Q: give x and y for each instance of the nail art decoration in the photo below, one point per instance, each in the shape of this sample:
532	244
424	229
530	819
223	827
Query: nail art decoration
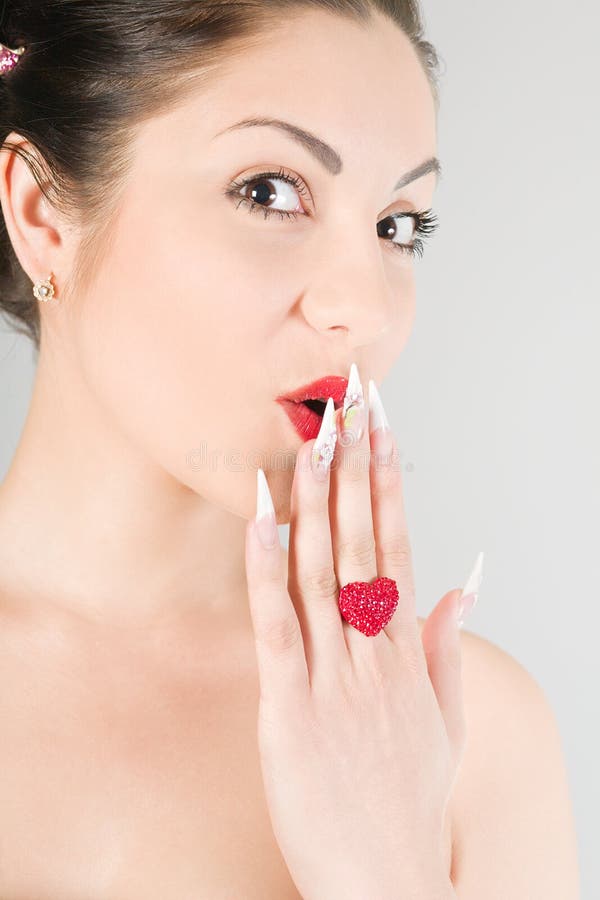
324	446
354	404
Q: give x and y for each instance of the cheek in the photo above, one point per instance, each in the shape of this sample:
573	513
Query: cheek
407	312
172	340
401	321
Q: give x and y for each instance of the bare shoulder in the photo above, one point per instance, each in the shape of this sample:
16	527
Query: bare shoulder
513	828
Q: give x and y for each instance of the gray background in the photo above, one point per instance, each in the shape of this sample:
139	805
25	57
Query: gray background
494	400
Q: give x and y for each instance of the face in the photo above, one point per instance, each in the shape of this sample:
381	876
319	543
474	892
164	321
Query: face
207	309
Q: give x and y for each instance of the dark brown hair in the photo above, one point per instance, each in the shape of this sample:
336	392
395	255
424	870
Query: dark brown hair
95	69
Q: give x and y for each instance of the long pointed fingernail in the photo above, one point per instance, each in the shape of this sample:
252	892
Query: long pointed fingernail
266	522
470	592
354	412
324	445
379	419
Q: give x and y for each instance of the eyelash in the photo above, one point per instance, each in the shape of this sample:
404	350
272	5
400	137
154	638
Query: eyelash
426	221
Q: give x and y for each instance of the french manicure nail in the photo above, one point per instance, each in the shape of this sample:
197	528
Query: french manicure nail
324	445
266	522
354	411
470	592
379	419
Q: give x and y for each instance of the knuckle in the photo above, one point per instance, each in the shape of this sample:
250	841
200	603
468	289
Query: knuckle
396	550
270	584
413	659
359	550
338	691
407	638
322	584
354	466
280	635
382	676
388	479
268	578
329	686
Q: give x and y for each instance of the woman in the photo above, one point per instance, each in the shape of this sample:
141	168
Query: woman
186	711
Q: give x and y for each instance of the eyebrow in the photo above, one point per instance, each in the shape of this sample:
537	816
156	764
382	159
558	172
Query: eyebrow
326	155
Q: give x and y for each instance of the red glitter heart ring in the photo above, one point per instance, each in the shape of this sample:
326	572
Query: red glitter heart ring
369	607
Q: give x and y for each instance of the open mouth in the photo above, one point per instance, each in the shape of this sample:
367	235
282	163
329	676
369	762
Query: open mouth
306	415
305	406
318	406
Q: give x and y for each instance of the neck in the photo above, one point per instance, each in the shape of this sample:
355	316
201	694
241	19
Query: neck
89	522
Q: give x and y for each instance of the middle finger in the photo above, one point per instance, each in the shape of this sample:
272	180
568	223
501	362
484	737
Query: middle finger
352	532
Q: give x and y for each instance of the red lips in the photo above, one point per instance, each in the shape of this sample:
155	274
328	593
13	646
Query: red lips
307	419
330	386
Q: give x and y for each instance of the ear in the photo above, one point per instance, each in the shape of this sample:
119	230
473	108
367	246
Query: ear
39	235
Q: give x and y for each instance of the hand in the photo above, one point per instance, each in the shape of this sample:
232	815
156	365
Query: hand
360	737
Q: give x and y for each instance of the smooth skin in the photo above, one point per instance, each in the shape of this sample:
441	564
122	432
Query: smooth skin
129	686
360	736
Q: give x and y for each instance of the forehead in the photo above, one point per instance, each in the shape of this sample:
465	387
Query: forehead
360	87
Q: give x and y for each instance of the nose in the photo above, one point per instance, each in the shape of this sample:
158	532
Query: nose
352	296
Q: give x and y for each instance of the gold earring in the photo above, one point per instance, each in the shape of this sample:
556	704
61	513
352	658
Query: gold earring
44	290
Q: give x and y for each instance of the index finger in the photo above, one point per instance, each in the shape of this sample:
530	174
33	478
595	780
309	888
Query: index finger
282	666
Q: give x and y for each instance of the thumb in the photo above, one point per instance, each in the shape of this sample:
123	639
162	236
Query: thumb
440	637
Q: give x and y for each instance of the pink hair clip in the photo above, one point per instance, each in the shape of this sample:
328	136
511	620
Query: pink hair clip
9	58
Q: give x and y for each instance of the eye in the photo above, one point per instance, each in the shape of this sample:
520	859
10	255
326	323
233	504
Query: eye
399	230
262	188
